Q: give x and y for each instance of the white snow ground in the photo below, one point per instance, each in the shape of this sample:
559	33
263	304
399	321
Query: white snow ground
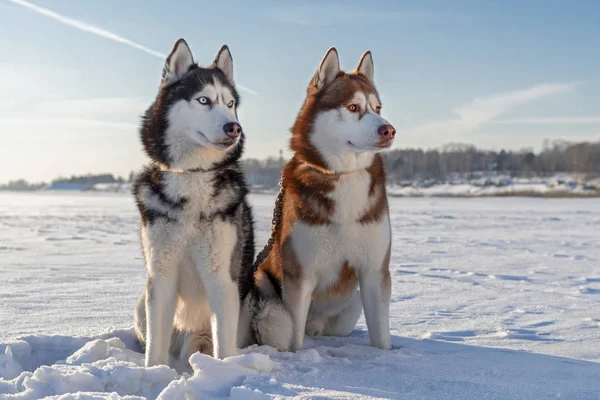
517	280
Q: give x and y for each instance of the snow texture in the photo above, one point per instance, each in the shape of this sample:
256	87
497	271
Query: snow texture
495	298
494	184
475	185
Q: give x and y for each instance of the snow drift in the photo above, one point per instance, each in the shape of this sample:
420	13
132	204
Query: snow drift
326	368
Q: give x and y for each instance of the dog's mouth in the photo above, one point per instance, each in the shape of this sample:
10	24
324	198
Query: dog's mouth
223	144
377	147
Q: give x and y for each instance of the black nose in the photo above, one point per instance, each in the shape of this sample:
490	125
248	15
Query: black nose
232	129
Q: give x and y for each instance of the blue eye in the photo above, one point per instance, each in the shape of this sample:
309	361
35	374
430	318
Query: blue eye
230	104
204	100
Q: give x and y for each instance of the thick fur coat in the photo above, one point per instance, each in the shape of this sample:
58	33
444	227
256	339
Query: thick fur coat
196	224
332	235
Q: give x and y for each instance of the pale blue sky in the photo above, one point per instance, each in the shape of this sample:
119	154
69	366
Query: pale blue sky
503	74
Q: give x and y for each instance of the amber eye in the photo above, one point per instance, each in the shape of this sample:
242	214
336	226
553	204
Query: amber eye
353	108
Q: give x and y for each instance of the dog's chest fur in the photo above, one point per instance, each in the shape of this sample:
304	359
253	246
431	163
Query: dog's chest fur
351	197
202	201
326	251
188	199
197	191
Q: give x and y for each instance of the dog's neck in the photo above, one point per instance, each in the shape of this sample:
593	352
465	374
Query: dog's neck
340	167
341	164
166	168
344	163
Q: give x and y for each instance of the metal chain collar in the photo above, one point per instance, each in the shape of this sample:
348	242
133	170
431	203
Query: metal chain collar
274	224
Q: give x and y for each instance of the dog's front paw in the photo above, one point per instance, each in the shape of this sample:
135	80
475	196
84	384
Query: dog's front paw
383	345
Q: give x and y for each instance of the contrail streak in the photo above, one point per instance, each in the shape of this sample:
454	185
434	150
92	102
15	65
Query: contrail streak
82	26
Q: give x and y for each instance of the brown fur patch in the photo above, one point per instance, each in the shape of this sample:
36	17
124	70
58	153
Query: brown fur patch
292	270
343	88
307	188
281	253
377	192
272	264
346	282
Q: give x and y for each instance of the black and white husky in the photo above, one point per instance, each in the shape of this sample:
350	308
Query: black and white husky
196	225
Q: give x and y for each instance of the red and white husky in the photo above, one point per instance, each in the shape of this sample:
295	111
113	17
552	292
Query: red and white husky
332	231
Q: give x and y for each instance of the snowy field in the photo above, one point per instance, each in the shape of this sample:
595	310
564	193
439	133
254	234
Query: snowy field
495	298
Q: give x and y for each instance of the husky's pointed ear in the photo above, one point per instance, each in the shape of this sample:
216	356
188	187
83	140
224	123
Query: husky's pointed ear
328	69
224	62
365	66
178	62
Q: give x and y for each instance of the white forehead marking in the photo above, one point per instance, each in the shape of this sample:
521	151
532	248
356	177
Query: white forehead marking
360	99
373	102
208	91
217	92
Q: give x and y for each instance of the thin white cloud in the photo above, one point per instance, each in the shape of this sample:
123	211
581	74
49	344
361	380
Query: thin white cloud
485	109
246	89
83	26
87	27
576	120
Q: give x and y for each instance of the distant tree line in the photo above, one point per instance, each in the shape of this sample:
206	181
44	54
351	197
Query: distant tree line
22	185
263	173
463	159
449	162
90	179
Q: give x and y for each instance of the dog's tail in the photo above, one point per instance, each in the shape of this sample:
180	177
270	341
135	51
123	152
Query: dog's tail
270	321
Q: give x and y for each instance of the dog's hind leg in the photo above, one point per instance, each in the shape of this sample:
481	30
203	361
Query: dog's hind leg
343	323
315	325
245	335
186	343
202	342
140	320
213	261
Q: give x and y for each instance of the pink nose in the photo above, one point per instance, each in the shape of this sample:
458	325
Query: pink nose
232	129
386	131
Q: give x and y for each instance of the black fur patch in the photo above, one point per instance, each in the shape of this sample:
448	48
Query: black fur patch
276	283
152	179
246	276
224	177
